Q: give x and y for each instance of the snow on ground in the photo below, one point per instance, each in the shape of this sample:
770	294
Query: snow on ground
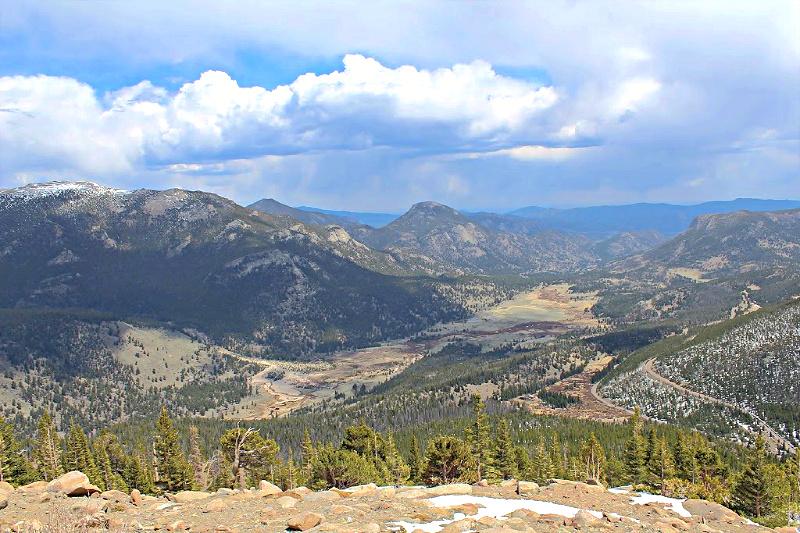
494	507
641	498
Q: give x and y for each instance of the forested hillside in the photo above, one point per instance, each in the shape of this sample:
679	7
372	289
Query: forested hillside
200	261
747	367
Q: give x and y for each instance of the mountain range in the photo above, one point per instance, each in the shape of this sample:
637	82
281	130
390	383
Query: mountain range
291	282
200	261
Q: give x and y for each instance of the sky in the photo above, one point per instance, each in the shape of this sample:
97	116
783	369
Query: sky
376	105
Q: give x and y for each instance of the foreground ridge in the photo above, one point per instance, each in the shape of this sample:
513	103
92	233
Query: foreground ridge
70	502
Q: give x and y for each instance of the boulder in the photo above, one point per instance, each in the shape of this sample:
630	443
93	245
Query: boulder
186	496
136	497
304	521
265	488
527	488
3	502
73	483
286	502
6	488
36	486
216	505
576	485
411	493
508	483
322	496
710	511
585	519
114	496
453	488
359	490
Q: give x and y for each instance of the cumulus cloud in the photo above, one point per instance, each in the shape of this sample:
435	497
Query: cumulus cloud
62	122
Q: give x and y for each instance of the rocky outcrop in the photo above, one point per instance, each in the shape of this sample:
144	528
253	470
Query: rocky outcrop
73	483
510	506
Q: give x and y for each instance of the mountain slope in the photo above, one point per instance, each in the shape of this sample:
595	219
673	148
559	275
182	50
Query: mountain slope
746	367
201	261
665	218
730	243
274	207
452	239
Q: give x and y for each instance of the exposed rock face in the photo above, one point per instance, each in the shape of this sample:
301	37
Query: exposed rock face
559	506
72	484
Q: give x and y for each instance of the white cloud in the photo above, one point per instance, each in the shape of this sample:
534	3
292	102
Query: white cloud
60	122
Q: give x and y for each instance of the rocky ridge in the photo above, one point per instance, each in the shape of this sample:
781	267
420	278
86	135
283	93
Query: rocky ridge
71	503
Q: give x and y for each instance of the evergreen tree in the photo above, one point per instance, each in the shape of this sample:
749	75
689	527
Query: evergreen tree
652	444
78	455
684	458
558	458
792	467
524	464
307	450
477	437
397	469
593	458
137	473
661	465
250	455
709	470
634	453
505	452
14	467
172	470
340	468
447	459
47	449
196	459
752	493
542	466
415	463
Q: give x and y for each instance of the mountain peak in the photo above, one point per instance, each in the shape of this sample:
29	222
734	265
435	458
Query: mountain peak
57	188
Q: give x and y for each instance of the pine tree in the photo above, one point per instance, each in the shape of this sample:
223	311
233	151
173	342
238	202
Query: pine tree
505	452
14	467
447	459
542	467
752	493
524	464
250	455
477	437
558	458
415	463
196	459
593	458
173	471
660	466
652	444
635	450
792	467
684	458
78	455
709	469
396	467
47	449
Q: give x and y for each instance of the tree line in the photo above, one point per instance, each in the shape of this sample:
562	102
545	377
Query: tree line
683	465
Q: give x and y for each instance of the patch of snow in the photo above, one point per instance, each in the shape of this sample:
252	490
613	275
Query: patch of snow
494	507
54	188
9	197
673	504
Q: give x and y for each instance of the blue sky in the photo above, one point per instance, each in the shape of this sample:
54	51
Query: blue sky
375	106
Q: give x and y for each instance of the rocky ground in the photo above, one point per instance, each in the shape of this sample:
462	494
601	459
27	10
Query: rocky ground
72	504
